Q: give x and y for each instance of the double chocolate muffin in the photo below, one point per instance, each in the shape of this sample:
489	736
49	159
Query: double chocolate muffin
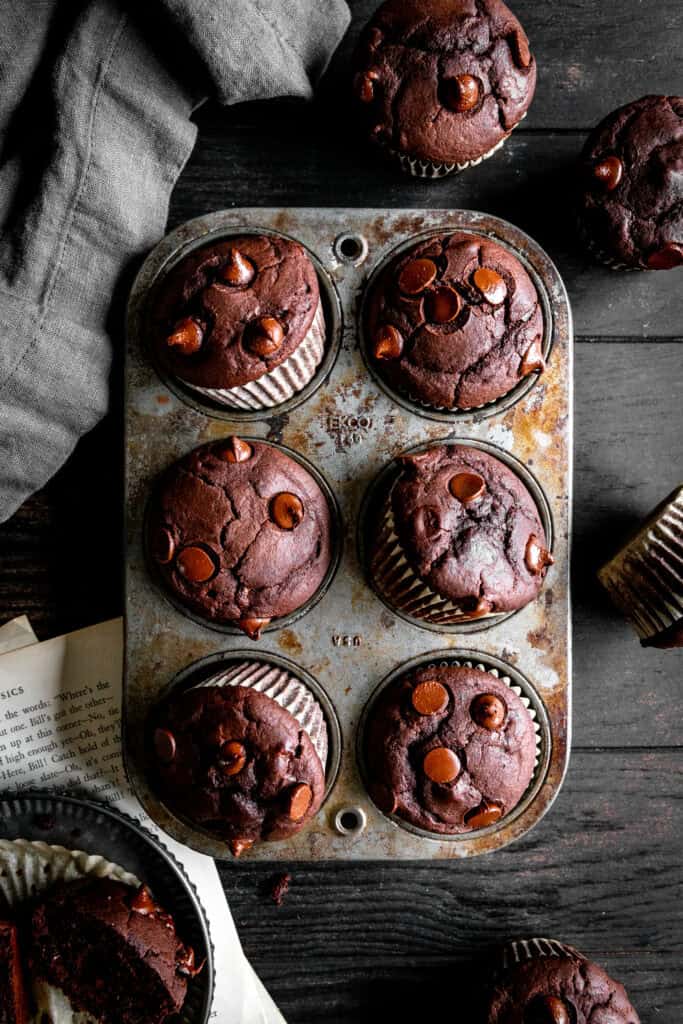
233	762
548	983
449	749
112	950
240	321
460	538
240	533
442	83
631	204
455	322
13	996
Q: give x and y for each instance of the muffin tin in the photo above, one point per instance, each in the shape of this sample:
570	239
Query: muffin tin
350	429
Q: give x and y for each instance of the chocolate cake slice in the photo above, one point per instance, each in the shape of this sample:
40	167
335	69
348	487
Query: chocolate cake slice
113	952
13	1001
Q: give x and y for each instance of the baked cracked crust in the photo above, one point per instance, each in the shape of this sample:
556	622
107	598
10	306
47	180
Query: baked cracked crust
443	80
469	328
492	766
241	767
559	990
631	206
239	532
469	528
207	330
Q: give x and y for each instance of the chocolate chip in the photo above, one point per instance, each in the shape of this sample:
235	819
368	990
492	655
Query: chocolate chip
533	359
442	305
162	545
186	962
238	846
236	450
164	745
491	285
666	258
429	697
238	271
441	765
467	487
233	756
299	801
142	902
547	1010
286	510
364	85
265	336
252	627
485	814
519	45
536	556
186	337
416	276
488	711
460	94
475	607
388	343
195	564
609	172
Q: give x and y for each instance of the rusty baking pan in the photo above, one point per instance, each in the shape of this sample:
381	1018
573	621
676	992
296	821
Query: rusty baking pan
350	427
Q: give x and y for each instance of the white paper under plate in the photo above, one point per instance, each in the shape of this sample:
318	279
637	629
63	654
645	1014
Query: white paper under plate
29	868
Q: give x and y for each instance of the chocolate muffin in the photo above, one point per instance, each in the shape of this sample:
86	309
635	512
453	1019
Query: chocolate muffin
631	204
449	749
442	83
13	997
548	983
455	322
113	952
240	321
240	533
460	539
235	763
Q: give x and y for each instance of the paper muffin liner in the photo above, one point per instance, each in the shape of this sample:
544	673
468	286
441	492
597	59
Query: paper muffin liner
26	870
280	384
645	578
286	690
417	167
521	951
400	585
603	257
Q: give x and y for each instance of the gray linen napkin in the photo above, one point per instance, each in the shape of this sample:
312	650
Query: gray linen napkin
95	104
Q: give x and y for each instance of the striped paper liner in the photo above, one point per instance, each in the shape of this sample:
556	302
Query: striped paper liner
521	951
418	167
286	690
645	578
280	384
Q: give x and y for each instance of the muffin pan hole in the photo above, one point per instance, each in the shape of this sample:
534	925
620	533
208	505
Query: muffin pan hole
350	821
509	675
350	248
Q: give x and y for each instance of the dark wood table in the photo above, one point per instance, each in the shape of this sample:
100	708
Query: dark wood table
603	869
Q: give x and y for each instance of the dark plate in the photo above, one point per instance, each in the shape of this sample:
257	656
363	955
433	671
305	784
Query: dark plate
97	829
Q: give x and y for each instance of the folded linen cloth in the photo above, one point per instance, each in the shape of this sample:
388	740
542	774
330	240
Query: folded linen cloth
95	105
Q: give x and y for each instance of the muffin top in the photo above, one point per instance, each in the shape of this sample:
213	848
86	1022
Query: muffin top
455	322
632	180
559	990
90	910
449	749
443	80
240	532
235	763
231	311
470	529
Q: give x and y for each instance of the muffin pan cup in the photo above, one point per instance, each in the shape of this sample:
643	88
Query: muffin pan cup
350	429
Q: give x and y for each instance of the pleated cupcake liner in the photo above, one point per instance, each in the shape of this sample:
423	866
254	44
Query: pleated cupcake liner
280	384
645	578
400	585
521	951
286	690
604	257
417	167
26	870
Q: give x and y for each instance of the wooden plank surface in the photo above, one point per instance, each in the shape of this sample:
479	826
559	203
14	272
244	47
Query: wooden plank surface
357	943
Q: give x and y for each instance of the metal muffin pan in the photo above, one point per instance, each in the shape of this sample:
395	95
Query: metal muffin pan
351	429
